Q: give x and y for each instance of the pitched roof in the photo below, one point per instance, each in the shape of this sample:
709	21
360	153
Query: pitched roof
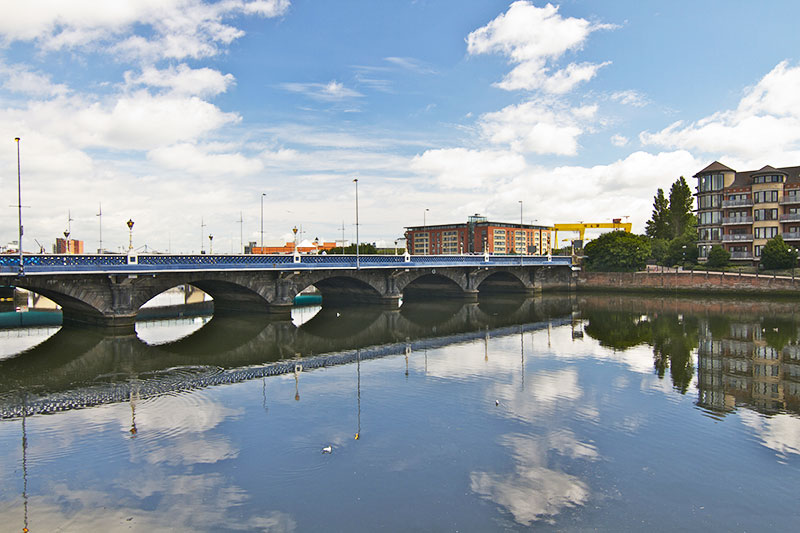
716	166
767	170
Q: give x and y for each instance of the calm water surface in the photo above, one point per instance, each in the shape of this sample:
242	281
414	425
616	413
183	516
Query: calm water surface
556	413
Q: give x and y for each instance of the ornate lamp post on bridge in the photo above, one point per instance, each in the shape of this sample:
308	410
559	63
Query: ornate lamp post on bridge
130	235
263	194
210	244
358	242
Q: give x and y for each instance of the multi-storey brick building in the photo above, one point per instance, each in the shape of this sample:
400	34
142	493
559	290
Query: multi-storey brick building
743	210
65	246
477	235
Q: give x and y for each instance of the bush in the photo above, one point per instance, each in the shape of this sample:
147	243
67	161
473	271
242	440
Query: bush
776	254
617	251
718	257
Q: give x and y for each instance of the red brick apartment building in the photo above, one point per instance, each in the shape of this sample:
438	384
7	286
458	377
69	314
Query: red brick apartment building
71	246
741	211
477	235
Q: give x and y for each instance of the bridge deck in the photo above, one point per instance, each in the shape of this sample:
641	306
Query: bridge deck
150	263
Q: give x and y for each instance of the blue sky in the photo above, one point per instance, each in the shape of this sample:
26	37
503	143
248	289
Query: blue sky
169	112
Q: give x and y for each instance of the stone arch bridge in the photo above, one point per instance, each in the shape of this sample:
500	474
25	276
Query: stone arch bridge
108	291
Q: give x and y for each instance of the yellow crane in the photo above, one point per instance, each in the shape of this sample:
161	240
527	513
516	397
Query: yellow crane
581	227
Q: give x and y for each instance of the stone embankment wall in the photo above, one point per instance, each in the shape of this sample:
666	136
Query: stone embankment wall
688	281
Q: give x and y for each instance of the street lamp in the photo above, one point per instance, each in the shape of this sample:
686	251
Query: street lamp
210	244
66	239
355	180
19	207
424	217
263	194
130	234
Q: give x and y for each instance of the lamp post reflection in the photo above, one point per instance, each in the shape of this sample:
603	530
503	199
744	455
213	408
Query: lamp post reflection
297	369
358	393
24	469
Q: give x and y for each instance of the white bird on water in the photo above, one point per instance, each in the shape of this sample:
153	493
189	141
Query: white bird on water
327	449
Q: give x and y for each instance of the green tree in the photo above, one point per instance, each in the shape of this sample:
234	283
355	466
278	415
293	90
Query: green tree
718	257
659	249
681	203
682	249
363	249
777	254
617	251
658	227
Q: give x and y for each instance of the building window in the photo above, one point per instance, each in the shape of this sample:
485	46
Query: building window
761	197
765	214
709	201
712	182
757	250
710	217
768	179
766	233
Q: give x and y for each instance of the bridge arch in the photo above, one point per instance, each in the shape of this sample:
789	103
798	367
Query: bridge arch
433	284
71	297
339	288
504	281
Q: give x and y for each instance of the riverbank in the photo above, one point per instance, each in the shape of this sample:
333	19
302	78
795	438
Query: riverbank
687	281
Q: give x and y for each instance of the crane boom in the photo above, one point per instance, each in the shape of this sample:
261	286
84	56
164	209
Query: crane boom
581	227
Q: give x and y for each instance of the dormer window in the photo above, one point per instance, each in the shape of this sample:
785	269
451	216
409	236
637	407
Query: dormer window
769	178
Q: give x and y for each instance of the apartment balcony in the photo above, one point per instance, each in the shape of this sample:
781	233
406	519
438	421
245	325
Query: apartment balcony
741	255
729	221
738	237
789	200
739	203
790	217
791	236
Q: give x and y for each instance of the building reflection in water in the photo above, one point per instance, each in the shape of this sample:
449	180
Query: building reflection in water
747	352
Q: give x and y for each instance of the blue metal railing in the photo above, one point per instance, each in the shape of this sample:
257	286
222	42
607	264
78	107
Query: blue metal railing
39	264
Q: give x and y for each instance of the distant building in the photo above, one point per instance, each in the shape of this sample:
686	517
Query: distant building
71	246
305	247
741	211
478	235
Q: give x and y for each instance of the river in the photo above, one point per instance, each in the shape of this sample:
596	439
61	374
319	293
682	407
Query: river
563	412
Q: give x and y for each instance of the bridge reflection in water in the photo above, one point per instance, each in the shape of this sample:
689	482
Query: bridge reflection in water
80	367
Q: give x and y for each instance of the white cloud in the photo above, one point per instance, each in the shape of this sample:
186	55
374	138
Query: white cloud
463	168
170	28
196	160
619	140
20	79
532	127
629	97
183	80
763	127
136	121
531	37
328	92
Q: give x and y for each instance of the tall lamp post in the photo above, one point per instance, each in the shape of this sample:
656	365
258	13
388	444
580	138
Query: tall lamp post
100	214
358	242
130	235
263	194
210	244
19	207
425	217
